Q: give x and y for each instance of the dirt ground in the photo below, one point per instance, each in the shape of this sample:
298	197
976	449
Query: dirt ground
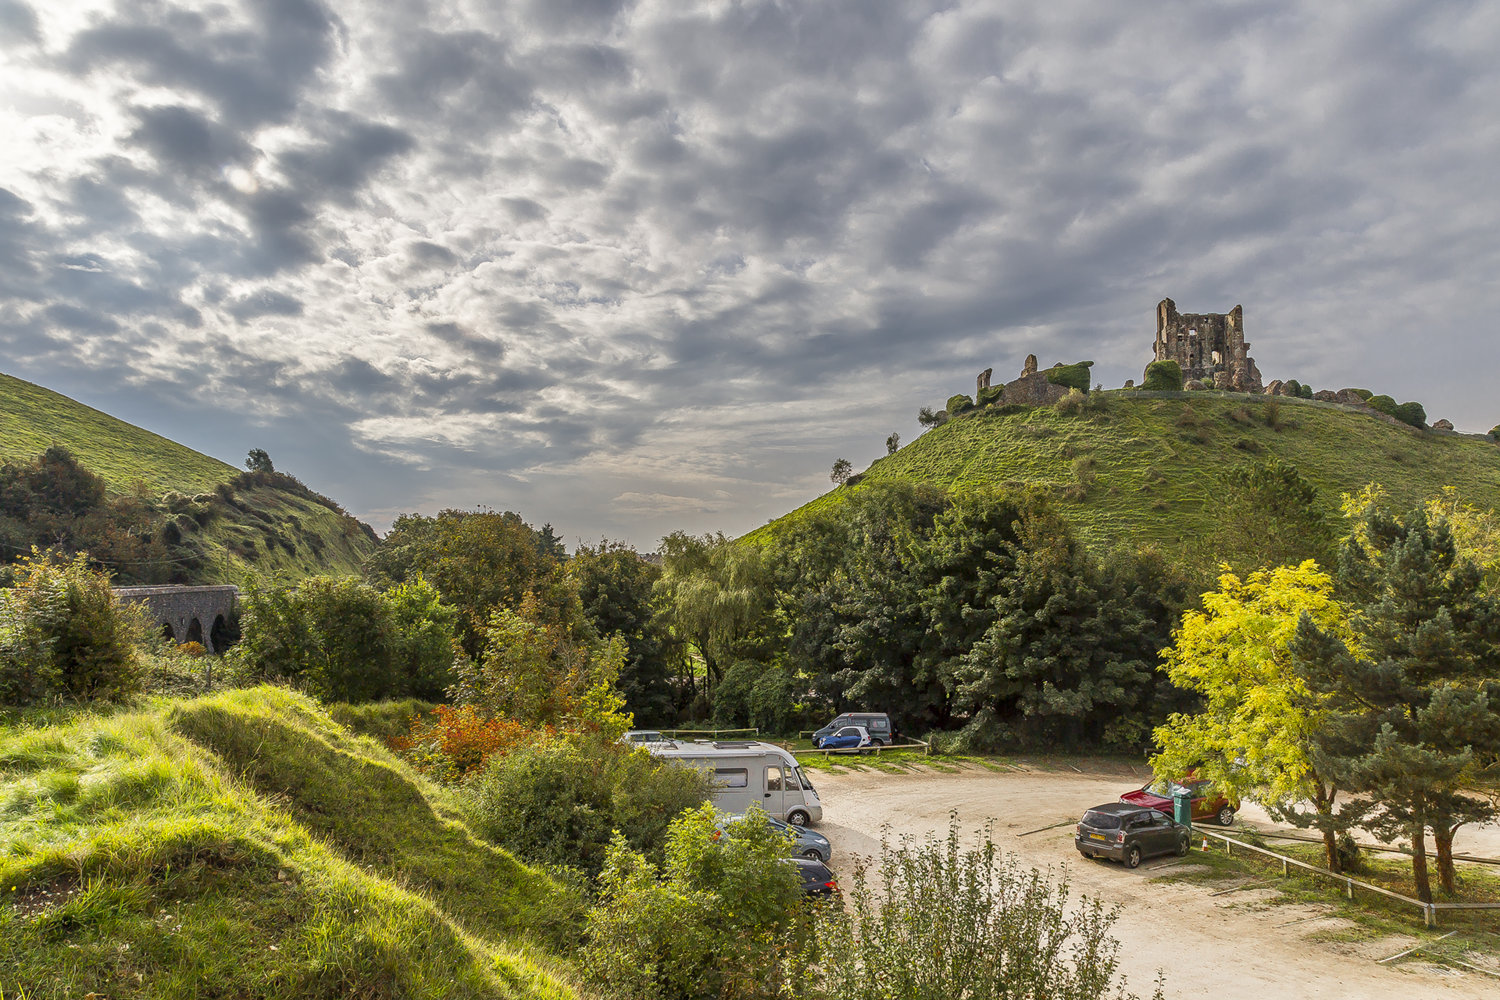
1231	946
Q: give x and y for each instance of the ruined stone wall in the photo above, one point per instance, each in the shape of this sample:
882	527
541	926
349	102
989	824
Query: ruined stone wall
1209	347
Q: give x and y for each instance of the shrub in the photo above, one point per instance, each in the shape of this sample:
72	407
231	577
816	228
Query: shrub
958	404
64	633
934	914
557	801
1292	388
1411	413
722	918
453	745
1072	403
1495	432
927	418
1364	394
1074	376
1384	404
1163	376
1307	392
987	397
346	641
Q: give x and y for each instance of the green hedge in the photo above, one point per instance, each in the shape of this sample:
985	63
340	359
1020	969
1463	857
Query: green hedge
1074	376
1163	376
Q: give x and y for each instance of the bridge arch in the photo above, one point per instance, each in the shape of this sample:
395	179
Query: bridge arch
179	612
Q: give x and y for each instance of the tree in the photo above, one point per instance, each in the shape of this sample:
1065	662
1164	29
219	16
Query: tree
1251	734
259	461
717	598
1408	716
617	589
479	561
841	471
1271	517
893	443
927	418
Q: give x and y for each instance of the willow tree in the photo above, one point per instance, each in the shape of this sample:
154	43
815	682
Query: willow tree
716	596
1252	735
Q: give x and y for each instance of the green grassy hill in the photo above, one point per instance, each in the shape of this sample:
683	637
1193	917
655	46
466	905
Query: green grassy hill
214	533
245	844
1142	468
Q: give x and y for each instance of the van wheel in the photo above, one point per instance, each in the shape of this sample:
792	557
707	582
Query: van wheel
797	817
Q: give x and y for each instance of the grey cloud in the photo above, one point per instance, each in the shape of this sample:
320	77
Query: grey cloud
429	254
184	139
265	302
17	24
343	163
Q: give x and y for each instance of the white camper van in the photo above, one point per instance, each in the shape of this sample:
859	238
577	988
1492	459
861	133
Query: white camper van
750	773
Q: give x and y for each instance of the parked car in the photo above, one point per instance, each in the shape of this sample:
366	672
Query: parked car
849	739
877	724
1129	833
817	878
1208	803
805	842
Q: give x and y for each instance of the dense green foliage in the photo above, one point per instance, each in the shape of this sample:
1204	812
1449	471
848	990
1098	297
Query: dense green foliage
935	921
479	561
1408	717
346	641
958	403
1163	376
245	845
717	598
1074	376
1383	404
63	634
560	800
977	609
1411	413
720	918
617	589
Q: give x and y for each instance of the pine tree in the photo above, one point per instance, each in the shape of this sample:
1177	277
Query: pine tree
1409	713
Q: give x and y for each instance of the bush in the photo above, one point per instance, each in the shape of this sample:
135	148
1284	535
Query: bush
927	418
346	641
1495	432
1292	388
989	396
64	633
453	745
1307	392
1074	376
1163	376
1072	403
934	915
1411	413
558	801
1384	404
958	404
1364	394
722	919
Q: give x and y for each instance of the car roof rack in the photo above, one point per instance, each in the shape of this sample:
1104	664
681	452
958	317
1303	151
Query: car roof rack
732	745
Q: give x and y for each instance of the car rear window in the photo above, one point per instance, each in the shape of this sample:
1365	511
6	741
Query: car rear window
1101	820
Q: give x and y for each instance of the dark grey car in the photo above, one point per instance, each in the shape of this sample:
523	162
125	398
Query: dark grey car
1129	833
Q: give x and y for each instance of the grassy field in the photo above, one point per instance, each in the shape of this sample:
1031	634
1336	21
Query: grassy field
33	419
1136	469
245	844
256	530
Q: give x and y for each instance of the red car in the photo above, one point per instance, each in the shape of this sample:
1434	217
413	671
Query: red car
1208	804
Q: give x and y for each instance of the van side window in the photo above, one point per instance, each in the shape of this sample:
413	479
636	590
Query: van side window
773	779
879	724
733	777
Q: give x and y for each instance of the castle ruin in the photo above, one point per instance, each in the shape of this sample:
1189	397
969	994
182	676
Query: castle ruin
1209	347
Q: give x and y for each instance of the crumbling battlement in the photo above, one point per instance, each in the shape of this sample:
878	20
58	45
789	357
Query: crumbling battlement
1209	347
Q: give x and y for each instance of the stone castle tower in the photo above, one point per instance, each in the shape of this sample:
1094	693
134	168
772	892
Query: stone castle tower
1209	347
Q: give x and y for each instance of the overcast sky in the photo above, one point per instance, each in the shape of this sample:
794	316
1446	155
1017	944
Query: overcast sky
633	267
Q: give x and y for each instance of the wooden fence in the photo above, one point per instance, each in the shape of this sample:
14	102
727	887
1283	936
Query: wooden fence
1429	910
915	744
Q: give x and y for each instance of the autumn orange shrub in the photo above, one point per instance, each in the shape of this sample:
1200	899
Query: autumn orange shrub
454	743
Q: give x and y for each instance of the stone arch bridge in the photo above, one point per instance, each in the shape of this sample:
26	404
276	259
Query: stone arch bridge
188	614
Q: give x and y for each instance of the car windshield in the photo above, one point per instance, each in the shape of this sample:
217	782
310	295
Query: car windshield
1101	820
1165	787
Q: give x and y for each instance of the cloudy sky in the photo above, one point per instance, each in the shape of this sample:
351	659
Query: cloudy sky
632	267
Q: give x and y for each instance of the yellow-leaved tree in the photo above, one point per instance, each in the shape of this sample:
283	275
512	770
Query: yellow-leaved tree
1251	735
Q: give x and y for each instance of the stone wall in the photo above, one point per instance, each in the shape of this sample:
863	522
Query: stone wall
189	613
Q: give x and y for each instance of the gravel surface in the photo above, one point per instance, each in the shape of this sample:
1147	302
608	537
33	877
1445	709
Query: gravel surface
1229	946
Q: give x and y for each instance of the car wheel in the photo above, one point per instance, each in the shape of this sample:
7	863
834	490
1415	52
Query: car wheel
1133	856
1225	816
797	817
1184	845
812	853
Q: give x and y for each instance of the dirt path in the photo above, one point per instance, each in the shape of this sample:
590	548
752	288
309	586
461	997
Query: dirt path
1229	947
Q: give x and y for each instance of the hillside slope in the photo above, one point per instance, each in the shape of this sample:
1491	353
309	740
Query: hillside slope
1141	468
214	523
244	844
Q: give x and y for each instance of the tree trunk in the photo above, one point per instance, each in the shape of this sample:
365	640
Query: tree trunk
1419	862
1323	804
1442	836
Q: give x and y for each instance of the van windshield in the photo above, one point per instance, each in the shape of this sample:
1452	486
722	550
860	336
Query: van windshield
802	777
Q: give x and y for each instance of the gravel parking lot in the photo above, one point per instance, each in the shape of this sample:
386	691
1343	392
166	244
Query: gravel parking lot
1228	947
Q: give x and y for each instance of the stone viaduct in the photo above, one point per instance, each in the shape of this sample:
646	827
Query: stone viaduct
188	614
